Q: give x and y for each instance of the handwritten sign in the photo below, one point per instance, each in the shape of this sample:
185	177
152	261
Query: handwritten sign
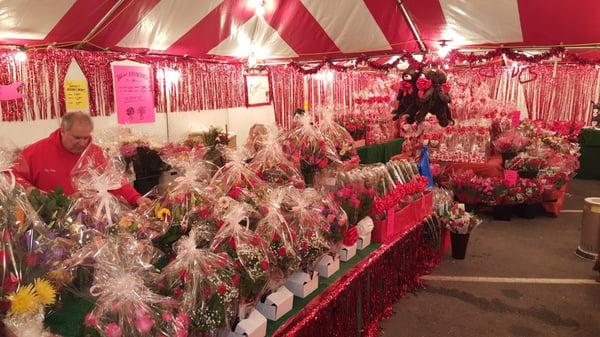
76	95
9	92
510	176
134	94
257	90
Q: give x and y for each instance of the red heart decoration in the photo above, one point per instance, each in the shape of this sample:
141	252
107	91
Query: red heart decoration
532	75
487	72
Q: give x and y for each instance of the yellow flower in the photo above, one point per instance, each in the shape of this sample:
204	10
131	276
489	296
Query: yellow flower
45	291
162	213
24	301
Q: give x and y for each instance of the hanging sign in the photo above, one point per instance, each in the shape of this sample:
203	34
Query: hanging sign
9	92
76	95
134	96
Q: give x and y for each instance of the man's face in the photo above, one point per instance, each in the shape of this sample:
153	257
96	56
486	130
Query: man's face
77	138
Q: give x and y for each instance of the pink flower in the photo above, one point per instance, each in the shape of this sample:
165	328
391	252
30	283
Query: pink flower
331	218
183	319
90	320
423	83
113	330
166	316
144	324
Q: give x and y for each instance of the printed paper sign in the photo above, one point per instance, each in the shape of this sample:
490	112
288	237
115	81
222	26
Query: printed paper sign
76	95
9	92
510	176
134	94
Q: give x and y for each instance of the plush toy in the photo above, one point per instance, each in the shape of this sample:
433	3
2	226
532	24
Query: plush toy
595	114
433	94
408	102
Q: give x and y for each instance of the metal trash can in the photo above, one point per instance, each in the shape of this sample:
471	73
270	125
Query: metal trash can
589	245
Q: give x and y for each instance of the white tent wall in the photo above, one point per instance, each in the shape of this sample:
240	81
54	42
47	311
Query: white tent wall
238	121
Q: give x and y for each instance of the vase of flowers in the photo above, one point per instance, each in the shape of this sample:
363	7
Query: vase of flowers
460	224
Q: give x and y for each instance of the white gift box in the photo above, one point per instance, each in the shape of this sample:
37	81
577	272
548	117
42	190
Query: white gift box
328	265
276	304
364	241
347	252
253	326
302	284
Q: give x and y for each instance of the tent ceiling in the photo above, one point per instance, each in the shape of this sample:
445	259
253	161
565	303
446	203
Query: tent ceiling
303	29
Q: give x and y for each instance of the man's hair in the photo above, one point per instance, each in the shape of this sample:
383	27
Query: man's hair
75	117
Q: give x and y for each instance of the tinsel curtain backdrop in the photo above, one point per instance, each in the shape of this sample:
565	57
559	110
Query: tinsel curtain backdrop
562	92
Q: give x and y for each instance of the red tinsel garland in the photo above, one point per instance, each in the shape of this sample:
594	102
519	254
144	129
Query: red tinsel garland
366	293
393	198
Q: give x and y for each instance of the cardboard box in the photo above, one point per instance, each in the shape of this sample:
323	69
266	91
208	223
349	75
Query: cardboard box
328	265
276	304
302	284
348	252
253	326
364	241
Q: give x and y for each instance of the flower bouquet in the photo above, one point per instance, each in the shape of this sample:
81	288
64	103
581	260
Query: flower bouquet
271	165
457	220
356	200
214	140
309	149
528	166
205	284
276	231
94	176
28	262
308	226
509	144
185	204
340	139
125	304
247	249
355	124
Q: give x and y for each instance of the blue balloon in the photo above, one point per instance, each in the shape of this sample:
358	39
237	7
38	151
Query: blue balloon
423	165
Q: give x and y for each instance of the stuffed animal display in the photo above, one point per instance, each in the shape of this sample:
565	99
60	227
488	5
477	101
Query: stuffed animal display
420	95
595	115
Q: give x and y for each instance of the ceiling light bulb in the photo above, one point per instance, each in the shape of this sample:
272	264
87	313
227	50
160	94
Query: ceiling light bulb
21	56
443	51
260	10
251	60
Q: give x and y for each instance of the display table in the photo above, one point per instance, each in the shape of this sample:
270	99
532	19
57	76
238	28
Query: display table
356	298
355	304
589	140
379	153
491	168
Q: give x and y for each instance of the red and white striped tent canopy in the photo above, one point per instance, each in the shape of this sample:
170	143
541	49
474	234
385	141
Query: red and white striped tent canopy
294	29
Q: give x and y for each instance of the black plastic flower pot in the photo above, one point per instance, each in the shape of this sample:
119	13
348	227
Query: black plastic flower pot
503	212
459	245
508	156
527	211
471	207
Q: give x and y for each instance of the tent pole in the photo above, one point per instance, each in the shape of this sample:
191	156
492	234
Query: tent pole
412	26
99	24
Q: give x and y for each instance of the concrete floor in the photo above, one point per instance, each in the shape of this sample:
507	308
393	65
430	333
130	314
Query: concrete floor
541	248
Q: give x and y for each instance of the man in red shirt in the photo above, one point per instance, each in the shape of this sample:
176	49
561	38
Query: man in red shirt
47	164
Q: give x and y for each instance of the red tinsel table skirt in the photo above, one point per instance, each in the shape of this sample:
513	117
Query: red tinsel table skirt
359	300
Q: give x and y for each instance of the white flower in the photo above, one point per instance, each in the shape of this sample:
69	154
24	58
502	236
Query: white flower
224	202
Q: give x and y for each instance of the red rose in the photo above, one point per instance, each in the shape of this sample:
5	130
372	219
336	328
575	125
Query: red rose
220	224
304	246
221	289
276	237
281	252
232	244
255	241
323	163
207	291
184	275
264	264
235	280
235	192
177	292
